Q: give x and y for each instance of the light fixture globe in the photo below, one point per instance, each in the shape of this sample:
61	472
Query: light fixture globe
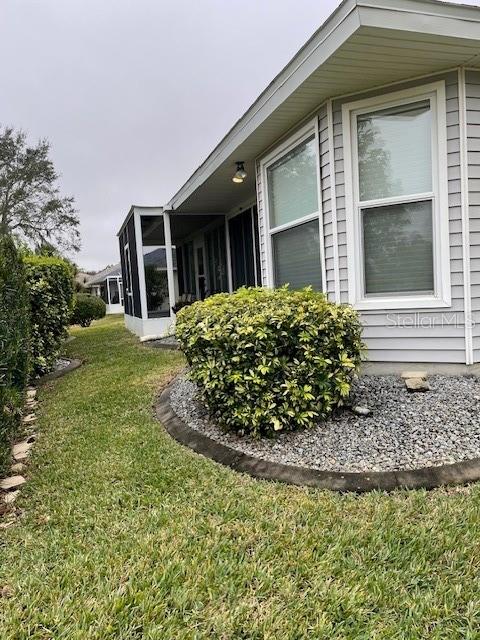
240	173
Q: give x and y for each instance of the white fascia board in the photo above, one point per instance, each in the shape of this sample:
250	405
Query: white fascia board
426	18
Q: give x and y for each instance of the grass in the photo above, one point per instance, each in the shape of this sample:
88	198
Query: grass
127	535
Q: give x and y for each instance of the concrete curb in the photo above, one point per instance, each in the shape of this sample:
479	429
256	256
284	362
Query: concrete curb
74	364
427	478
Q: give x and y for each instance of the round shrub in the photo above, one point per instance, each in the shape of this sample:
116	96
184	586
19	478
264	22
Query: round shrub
270	360
87	308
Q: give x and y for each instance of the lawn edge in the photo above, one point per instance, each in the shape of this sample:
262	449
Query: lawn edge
427	477
75	363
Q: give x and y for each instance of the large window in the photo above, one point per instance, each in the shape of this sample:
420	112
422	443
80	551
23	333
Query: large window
396	205
293	218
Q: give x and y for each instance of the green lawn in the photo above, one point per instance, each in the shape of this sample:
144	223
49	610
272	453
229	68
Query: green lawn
125	534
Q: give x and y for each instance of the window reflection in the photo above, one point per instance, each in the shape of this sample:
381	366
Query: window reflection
156	280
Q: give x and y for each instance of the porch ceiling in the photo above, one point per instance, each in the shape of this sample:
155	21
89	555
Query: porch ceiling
355	50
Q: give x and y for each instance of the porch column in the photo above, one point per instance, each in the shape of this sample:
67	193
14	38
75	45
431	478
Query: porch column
168	250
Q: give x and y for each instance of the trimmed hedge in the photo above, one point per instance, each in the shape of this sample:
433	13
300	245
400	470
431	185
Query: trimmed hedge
270	360
87	308
14	343
50	287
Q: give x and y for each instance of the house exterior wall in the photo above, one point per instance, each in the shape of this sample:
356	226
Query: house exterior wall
472	95
407	335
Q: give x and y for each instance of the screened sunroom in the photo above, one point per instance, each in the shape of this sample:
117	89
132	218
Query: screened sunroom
170	260
108	285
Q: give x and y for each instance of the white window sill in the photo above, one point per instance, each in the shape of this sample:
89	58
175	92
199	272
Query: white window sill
392	304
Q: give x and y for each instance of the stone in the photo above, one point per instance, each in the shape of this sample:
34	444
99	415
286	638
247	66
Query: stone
21	447
18	467
361	411
31	404
29	419
417	384
23	455
11	496
414	374
31	393
12	482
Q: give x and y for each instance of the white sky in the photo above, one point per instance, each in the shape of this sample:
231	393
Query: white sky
133	94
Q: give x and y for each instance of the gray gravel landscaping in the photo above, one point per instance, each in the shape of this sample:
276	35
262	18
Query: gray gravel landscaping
403	431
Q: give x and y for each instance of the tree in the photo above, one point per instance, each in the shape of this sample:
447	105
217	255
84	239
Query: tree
31	207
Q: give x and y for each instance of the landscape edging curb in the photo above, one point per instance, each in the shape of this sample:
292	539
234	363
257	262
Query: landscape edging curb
74	364
359	482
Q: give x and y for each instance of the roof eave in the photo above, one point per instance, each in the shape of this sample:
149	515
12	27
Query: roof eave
439	18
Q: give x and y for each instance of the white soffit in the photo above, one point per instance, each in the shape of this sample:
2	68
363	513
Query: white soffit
364	44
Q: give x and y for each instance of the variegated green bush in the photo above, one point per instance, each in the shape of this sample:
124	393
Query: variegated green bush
270	360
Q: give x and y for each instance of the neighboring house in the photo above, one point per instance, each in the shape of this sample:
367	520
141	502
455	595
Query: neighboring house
107	284
357	171
82	277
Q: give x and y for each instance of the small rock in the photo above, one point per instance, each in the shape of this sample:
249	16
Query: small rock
11	496
31	405
31	392
417	384
21	456
12	483
18	467
29	419
6	591
414	374
361	411
21	447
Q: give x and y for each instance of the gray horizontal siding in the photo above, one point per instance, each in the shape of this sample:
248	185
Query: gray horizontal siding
472	90
261	225
326	189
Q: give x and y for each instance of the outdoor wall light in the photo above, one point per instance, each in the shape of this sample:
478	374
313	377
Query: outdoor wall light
240	173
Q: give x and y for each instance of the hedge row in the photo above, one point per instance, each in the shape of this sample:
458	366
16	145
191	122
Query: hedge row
14	342
36	295
50	287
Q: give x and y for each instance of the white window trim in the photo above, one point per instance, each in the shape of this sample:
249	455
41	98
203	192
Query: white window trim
442	293
287	145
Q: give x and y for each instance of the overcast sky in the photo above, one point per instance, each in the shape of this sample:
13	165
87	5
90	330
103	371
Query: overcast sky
133	94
